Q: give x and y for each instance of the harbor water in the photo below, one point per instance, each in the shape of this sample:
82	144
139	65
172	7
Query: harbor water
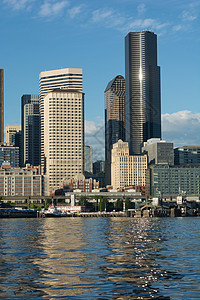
100	258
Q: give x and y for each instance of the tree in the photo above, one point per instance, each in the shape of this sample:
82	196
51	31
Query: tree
119	205
32	206
103	203
127	203
83	201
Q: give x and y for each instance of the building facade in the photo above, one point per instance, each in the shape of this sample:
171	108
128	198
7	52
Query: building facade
30	130
114	118
127	170
68	78
159	151
99	166
21	181
79	182
168	180
142	100
10	155
63	135
187	155
10	131
88	159
1	106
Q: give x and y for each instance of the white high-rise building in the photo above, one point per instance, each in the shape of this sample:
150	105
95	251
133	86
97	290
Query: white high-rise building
68	78
127	170
63	135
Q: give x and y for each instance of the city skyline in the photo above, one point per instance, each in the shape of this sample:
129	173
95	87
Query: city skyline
27	50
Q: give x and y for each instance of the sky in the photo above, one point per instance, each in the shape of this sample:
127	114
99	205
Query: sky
41	35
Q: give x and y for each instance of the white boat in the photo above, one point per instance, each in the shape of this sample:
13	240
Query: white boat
53	212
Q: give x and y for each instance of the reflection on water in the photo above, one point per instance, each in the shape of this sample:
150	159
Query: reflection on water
100	258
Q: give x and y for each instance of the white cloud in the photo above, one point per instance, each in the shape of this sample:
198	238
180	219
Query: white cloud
181	127
188	16
113	19
177	27
74	11
19	4
108	17
101	15
49	9
141	8
143	24
94	136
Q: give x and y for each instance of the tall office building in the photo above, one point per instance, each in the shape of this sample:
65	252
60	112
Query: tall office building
68	78
1	107
127	170
30	130
63	135
114	119
142	100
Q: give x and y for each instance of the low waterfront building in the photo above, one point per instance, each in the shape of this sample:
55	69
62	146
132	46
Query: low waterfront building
9	154
26	181
79	182
111	196
187	155
173	180
127	170
159	151
99	177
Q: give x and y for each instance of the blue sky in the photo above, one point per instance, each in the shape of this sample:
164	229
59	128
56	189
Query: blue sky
39	35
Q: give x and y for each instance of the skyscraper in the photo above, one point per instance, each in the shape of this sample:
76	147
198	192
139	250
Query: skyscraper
142	100
1	107
68	78
30	130
114	119
63	135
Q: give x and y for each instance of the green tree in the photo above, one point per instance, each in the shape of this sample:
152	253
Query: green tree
32	206
103	203
119	205
39	207
83	201
46	206
127	203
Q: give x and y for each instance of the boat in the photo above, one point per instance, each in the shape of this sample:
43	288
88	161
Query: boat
53	212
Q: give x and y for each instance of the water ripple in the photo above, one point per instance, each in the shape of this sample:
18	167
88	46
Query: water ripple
100	258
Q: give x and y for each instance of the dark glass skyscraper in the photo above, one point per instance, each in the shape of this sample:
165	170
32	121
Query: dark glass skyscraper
142	100
30	148
114	118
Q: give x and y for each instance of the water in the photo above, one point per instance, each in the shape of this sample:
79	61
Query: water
100	258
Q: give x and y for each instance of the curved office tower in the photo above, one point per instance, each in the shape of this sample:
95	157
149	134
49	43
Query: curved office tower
142	101
114	119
